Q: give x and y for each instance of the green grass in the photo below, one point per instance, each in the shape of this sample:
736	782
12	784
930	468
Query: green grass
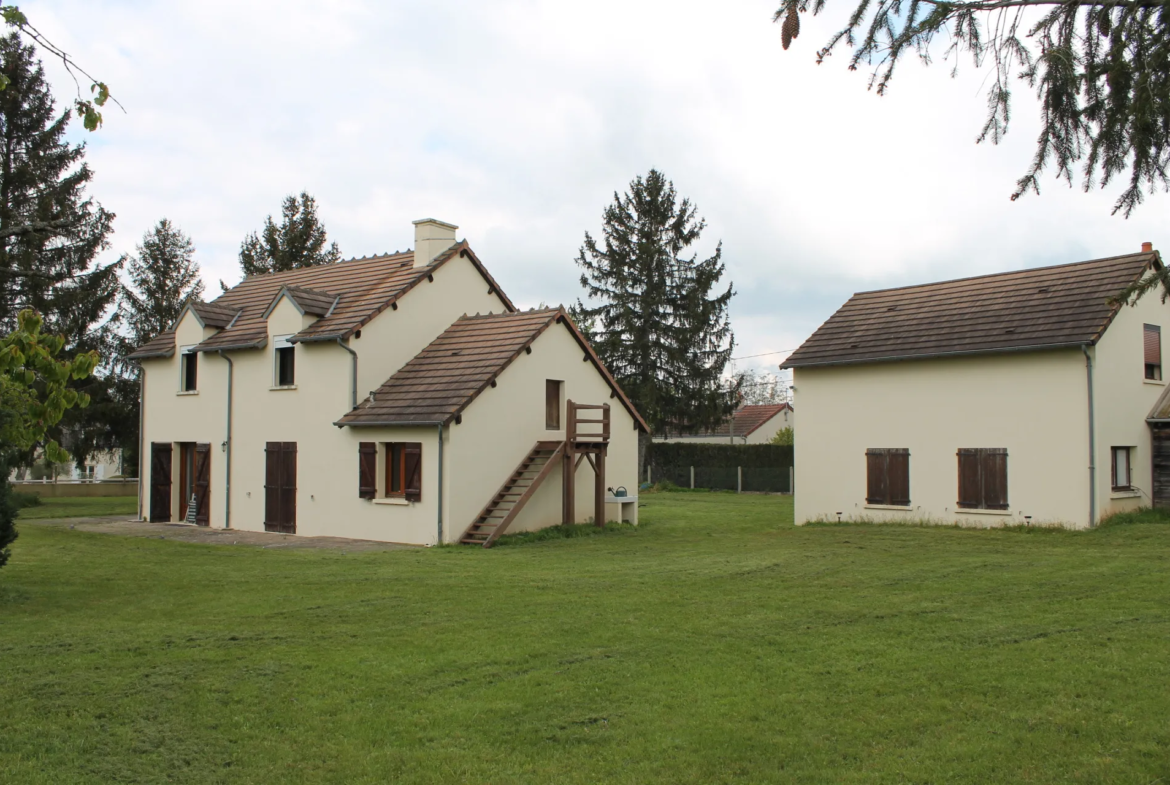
80	507
718	643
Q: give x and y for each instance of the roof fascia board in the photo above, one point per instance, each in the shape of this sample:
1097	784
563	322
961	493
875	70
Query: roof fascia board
564	319
258	344
282	294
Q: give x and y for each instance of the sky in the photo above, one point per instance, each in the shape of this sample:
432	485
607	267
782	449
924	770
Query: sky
518	120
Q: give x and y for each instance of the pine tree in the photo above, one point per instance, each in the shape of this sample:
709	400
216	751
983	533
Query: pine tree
51	232
658	328
164	277
299	241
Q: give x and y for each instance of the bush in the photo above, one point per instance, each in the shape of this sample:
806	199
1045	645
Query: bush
21	500
784	436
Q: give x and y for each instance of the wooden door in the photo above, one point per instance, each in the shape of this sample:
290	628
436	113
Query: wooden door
186	477
203	484
1160	460
160	481
280	487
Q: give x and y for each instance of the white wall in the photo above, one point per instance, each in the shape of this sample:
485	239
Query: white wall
1033	404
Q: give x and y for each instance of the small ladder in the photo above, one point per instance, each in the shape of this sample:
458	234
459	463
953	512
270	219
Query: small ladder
503	508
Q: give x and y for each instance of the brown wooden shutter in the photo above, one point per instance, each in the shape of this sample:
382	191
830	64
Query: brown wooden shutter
995	478
412	470
203	484
1153	344
898	476
272	461
367	470
876	484
160	481
970	487
288	488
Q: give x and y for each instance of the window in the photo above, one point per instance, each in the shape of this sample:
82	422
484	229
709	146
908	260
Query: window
189	369
403	464
887	476
1152	345
285	370
552	404
983	478
1122	469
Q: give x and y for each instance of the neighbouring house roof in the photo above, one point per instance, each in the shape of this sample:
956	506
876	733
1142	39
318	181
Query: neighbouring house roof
361	289
444	378
1041	308
1161	410
746	420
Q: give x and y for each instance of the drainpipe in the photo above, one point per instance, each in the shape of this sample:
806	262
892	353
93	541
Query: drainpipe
141	435
353	381
440	523
227	495
1092	441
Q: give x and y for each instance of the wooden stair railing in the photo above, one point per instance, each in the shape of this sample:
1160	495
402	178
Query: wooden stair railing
503	508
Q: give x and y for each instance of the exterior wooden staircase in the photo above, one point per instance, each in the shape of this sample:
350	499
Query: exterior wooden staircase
503	508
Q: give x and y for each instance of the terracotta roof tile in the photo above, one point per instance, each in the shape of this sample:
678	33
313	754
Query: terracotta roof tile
747	420
162	345
445	377
1046	307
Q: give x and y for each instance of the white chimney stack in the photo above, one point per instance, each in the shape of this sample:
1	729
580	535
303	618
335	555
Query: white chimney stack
431	238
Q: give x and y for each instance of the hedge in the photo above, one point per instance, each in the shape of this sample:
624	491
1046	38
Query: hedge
665	457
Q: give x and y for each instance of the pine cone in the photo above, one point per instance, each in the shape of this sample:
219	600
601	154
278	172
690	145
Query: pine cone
790	29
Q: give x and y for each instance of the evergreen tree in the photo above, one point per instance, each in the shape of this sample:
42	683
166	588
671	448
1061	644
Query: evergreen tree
299	241
164	277
656	325
1099	69
51	233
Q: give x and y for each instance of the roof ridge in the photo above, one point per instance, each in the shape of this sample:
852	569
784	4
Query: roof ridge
330	266
1152	254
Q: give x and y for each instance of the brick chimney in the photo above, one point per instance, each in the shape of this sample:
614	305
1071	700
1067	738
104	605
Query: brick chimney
431	238
1147	247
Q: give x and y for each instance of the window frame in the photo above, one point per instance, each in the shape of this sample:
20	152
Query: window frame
282	347
1113	453
985	460
880	458
188	367
1152	371
395	465
553	423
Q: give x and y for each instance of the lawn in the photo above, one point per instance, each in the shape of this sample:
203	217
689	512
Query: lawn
717	643
81	507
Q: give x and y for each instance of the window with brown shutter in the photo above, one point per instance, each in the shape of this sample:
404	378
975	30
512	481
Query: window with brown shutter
367	470
983	478
189	362
404	470
552	404
280	487
1152	348
887	476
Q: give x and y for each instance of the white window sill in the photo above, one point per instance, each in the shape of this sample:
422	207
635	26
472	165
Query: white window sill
1156	382
977	511
1125	495
897	507
285	387
187	392
392	500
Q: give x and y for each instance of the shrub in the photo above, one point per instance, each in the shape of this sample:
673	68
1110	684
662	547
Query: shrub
21	500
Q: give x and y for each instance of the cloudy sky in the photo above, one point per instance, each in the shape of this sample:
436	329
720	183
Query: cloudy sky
518	119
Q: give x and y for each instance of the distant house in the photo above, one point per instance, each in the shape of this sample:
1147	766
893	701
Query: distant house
1015	398
101	465
478	416
756	424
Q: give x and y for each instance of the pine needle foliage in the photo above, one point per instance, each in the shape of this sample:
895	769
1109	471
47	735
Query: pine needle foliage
299	241
164	277
1100	68
653	318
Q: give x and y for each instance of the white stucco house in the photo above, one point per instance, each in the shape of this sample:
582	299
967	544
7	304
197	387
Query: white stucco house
400	398
1026	397
754	424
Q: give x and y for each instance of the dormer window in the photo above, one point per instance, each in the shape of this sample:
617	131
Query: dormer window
189	369
284	370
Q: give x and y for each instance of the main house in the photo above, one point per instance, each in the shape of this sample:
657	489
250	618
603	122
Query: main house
753	424
1015	398
400	398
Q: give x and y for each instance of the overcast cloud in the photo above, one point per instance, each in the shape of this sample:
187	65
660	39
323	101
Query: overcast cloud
517	120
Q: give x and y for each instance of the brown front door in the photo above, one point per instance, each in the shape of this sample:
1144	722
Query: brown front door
203	484
280	487
1160	460
160	481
